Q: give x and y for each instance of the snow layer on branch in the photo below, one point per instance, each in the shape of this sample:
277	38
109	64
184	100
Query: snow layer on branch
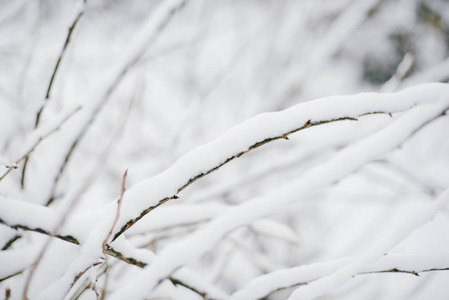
413	219
257	129
150	191
268	283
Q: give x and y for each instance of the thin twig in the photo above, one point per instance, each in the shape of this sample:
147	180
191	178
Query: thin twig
58	62
52	78
117	214
40	139
7	293
80	274
63	219
11	275
10	242
106	281
139	50
394	270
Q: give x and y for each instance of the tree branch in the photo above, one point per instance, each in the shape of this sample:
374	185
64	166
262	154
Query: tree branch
40	139
394	270
151	30
284	136
52	78
117	215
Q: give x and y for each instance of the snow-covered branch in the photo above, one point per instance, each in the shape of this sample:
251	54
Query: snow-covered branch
151	193
343	164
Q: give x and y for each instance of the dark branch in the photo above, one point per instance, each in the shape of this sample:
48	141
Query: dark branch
67	238
201	175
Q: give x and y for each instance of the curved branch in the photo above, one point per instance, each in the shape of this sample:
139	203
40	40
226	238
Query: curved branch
284	136
151	193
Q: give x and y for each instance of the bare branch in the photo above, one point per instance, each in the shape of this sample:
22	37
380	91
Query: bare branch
148	35
52	78
394	270
117	215
58	62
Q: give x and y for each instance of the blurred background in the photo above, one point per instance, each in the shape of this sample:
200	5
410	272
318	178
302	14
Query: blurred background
216	64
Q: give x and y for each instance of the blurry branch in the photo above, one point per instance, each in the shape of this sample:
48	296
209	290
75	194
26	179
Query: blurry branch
412	272
149	32
402	70
106	281
117	215
394	270
80	275
58	62
11	10
439	72
229	159
263	263
10	242
109	250
177	282
72	203
86	286
105	154
10	276
77	194
39	140
53	75
348	21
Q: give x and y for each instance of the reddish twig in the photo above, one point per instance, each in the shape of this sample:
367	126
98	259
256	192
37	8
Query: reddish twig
117	214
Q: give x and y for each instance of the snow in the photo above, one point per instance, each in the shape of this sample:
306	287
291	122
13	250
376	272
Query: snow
345	162
415	217
159	84
239	138
206	157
